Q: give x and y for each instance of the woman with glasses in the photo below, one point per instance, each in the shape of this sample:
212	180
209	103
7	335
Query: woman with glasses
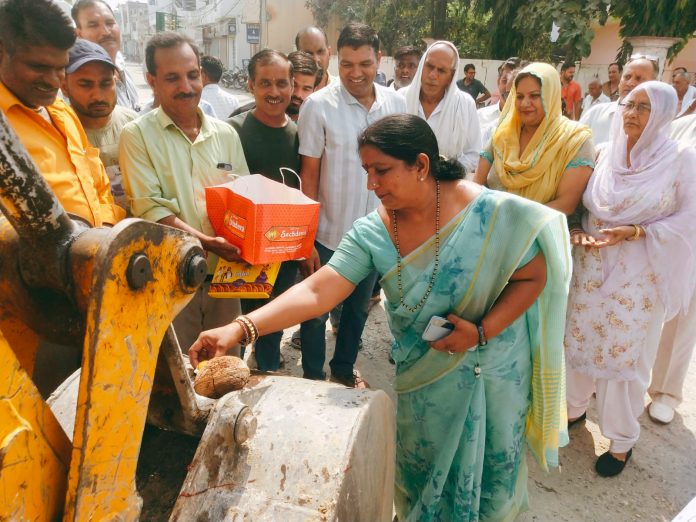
633	266
536	152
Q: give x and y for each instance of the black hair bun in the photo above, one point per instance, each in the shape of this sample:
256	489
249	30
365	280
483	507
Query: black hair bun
447	169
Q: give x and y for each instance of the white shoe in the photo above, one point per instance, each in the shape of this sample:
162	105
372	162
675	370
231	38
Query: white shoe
660	413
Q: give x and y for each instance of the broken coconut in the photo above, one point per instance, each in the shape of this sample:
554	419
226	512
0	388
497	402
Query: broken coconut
221	375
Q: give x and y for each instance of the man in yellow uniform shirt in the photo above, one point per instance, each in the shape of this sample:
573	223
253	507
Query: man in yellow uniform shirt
35	36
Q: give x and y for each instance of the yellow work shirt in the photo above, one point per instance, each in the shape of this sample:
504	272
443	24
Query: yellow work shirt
67	161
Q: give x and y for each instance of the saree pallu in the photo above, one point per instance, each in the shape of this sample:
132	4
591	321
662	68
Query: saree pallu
460	438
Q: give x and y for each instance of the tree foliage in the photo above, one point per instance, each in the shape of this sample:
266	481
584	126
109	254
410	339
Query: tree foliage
675	18
503	39
499	29
345	10
574	17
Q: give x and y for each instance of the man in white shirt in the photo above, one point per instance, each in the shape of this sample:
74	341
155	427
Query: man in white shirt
594	95
685	92
330	121
95	21
451	113
679	334
224	103
600	117
488	116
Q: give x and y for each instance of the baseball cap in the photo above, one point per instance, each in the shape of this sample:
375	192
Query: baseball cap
84	52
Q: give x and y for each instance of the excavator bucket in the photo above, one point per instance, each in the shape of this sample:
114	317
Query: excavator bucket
284	449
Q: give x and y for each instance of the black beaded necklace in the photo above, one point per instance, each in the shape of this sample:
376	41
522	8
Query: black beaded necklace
437	256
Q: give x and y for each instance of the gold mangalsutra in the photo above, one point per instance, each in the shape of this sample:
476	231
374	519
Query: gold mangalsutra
437	255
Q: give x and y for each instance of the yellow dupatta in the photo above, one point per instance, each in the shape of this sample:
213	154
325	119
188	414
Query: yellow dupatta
537	173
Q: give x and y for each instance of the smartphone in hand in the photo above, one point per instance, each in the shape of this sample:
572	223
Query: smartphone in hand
437	328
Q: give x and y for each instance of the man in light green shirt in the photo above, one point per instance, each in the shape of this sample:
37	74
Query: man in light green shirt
169	156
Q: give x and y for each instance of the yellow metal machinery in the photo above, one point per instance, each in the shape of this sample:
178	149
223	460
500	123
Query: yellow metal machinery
114	291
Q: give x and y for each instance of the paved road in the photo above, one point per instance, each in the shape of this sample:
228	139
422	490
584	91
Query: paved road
658	482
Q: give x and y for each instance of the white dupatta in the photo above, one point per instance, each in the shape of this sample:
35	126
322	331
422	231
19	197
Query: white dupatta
458	119
658	192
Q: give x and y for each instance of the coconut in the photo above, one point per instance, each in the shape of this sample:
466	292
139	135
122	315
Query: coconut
221	375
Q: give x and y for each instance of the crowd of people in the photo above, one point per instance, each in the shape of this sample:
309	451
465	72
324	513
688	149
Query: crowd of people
561	251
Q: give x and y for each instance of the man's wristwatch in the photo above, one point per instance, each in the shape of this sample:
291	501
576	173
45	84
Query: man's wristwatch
482	335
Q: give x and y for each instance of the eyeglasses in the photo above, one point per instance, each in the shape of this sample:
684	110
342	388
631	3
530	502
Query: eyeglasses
640	108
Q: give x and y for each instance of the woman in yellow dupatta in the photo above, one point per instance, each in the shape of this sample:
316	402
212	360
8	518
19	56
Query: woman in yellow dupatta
536	152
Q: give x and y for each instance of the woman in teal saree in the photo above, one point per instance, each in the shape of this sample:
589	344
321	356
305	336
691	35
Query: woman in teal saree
498	268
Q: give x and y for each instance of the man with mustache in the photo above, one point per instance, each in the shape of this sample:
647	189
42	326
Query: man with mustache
90	85
169	155
405	65
35	36
95	21
330	121
306	76
269	140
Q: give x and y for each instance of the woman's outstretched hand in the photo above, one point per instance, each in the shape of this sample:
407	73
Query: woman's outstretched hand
463	337
580	238
214	343
615	235
609	237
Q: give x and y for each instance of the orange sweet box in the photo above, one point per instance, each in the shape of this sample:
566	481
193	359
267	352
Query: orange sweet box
267	220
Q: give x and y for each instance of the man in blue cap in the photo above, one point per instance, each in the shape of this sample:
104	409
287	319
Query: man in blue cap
35	36
90	85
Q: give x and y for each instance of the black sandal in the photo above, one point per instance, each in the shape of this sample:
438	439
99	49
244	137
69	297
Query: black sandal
609	466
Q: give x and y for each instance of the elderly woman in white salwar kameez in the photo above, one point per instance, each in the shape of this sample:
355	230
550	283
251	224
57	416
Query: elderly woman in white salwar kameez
633	266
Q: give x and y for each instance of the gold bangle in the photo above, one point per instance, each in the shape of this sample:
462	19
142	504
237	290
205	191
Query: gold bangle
636	235
253	330
244	341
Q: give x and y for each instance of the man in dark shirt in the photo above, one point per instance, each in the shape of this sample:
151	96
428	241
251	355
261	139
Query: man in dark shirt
269	140
473	87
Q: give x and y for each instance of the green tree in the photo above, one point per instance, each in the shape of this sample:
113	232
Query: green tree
403	22
468	29
675	18
345	10
575	19
504	39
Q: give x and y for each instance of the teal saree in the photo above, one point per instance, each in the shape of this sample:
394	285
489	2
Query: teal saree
461	437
